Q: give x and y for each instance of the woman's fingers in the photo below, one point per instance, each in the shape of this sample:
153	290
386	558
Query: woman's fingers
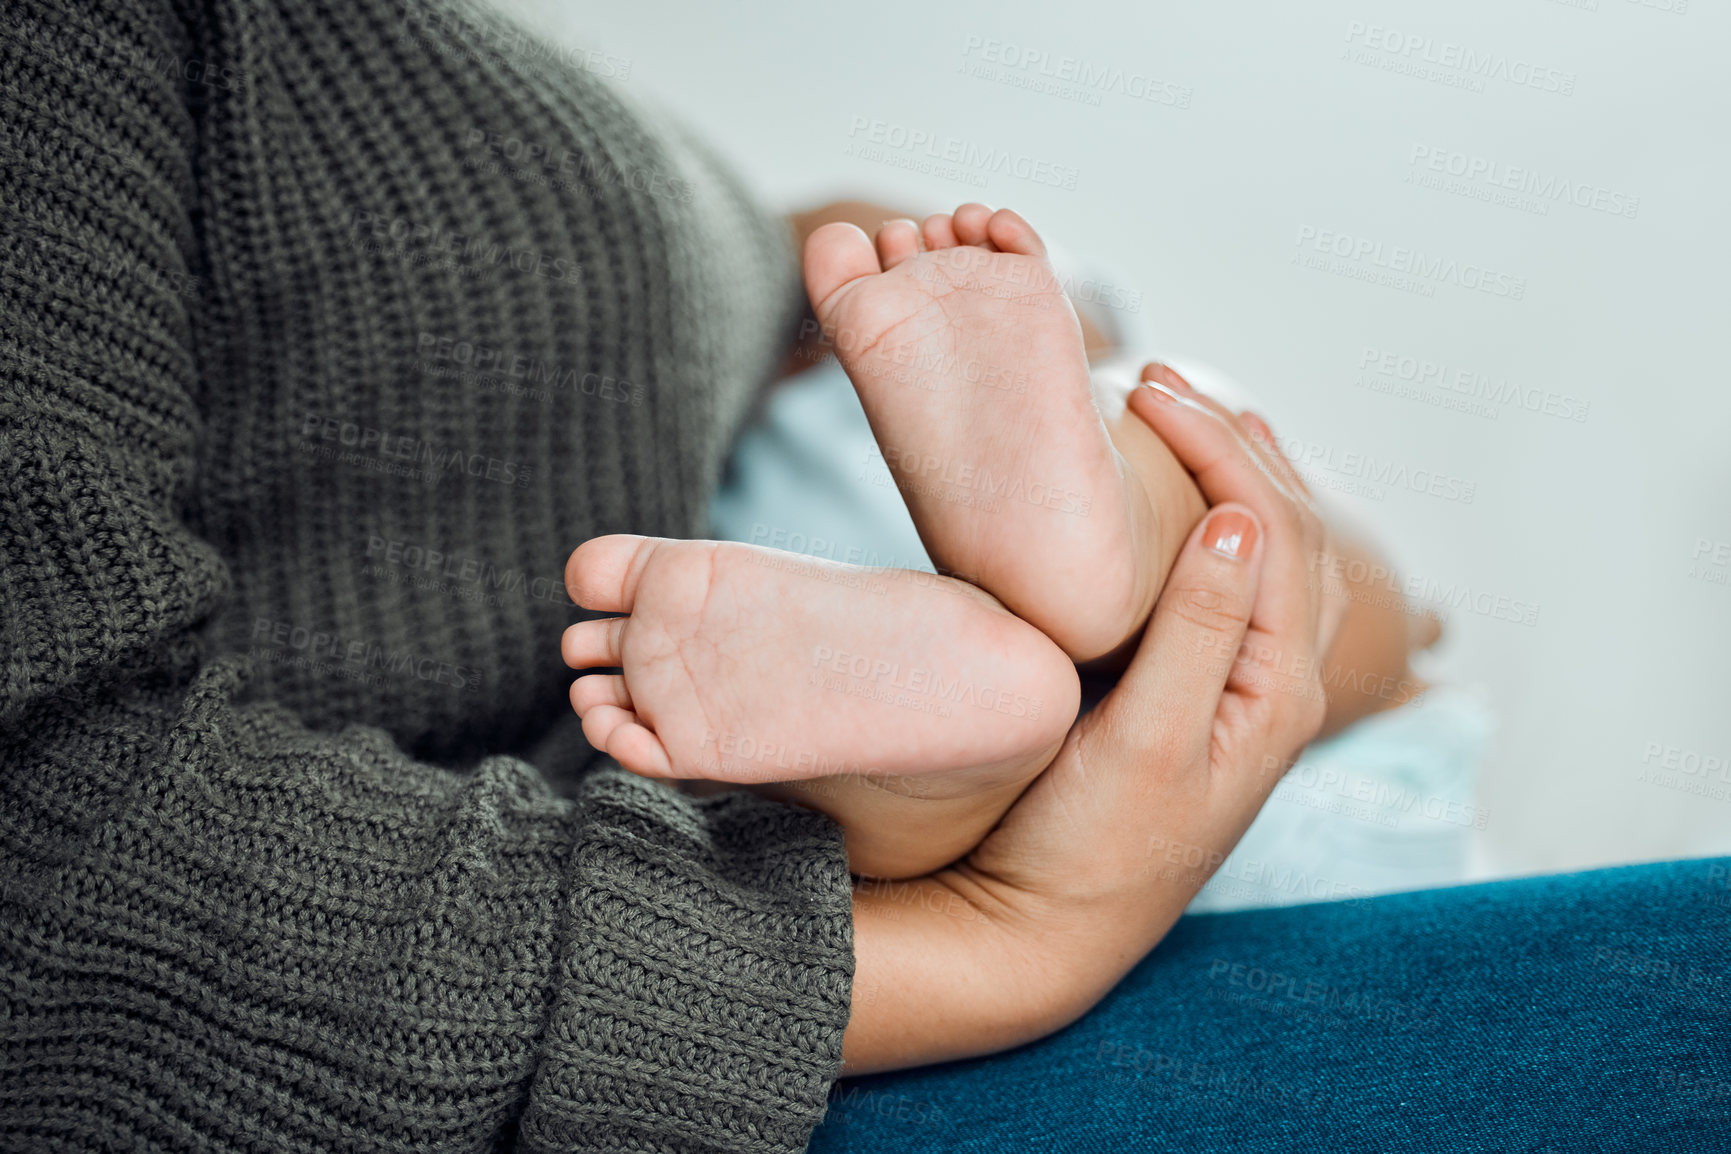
1262	437
1236	458
1164	705
1319	543
1209	442
1166	381
1169	769
1252	428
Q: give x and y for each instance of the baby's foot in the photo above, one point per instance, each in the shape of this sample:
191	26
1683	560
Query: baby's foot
749	665
969	361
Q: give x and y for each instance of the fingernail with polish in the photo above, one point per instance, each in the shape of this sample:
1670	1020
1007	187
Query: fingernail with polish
1231	534
1161	392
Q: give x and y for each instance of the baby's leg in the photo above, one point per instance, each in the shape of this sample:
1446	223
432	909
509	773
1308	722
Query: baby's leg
752	666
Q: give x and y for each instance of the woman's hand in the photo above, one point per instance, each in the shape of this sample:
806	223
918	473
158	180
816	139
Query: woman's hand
1152	789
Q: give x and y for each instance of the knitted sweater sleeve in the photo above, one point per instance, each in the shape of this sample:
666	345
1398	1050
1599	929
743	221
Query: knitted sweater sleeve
220	929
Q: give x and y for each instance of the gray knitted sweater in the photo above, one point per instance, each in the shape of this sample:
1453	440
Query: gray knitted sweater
325	335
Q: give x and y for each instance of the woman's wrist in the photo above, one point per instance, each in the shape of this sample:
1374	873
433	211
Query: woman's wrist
942	971
964	962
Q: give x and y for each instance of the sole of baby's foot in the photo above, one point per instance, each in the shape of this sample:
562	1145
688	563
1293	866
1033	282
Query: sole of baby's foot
969	361
749	665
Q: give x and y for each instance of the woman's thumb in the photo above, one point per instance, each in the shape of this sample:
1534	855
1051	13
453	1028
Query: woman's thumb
1179	671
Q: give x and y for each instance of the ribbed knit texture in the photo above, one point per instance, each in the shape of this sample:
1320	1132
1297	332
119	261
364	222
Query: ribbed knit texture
270	876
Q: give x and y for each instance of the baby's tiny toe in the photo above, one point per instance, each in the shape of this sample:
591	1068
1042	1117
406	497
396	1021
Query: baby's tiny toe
603	572
897	241
939	231
591	643
971	223
639	750
835	256
1011	233
600	723
600	689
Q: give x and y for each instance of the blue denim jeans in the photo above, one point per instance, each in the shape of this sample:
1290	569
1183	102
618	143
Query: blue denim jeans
1586	1012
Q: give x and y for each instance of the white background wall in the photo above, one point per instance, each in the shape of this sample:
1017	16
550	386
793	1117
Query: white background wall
1292	129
